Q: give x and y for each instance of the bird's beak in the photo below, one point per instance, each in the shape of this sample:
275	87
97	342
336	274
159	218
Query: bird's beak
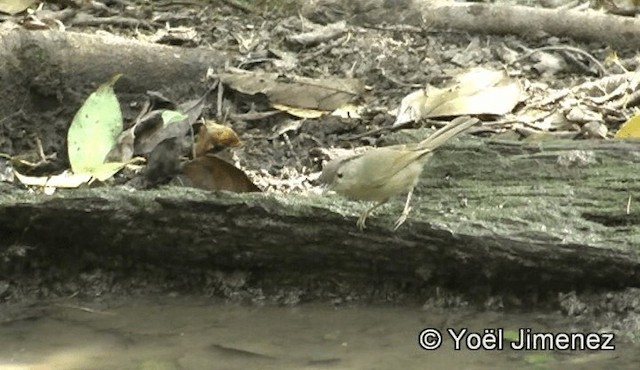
319	181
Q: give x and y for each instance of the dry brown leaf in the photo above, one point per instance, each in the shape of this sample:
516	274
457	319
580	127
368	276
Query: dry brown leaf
594	130
64	180
122	150
299	112
296	92
212	173
478	91
213	135
150	130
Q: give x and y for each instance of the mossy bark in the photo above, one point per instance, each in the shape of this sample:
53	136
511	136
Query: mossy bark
498	215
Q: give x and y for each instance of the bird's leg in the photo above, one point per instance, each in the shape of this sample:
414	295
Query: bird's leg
405	211
365	214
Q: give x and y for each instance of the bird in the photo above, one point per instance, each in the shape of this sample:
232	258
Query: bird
381	173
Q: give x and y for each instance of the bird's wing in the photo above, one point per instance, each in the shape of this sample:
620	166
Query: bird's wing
389	158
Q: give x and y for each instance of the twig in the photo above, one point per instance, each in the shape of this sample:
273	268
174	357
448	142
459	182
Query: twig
85	309
397	82
601	70
240	5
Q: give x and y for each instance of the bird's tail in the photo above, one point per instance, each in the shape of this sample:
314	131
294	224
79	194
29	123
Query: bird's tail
447	132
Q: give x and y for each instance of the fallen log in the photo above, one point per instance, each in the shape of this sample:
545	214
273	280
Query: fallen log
503	216
501	19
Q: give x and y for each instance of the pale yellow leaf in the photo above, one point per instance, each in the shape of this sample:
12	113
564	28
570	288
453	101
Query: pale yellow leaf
63	180
631	128
300	112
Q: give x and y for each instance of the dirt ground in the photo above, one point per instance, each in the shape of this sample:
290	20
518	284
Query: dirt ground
278	152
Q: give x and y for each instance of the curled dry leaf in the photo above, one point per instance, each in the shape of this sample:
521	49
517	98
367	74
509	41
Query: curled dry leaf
71	180
349	111
548	64
320	34
149	135
296	92
478	91
213	136
6	169
580	114
594	130
122	150
63	180
299	112
212	173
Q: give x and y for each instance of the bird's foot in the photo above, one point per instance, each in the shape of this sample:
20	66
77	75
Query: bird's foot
361	221
402	219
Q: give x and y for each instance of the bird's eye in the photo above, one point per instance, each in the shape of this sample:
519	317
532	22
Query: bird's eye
339	175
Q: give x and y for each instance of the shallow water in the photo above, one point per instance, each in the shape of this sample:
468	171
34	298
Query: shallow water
196	333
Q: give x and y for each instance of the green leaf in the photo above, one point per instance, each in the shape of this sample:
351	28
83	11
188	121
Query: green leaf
107	170
94	129
172	116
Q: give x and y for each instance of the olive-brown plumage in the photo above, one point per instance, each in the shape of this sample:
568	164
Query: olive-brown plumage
381	173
